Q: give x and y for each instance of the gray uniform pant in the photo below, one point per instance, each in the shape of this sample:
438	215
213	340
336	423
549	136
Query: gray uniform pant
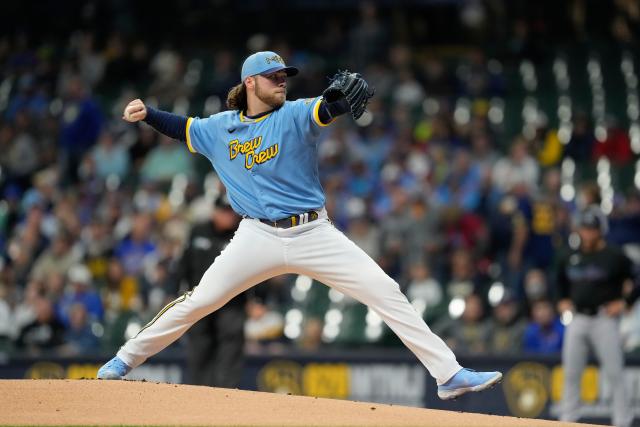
601	333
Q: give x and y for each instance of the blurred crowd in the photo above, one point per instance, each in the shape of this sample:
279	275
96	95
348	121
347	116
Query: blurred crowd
467	216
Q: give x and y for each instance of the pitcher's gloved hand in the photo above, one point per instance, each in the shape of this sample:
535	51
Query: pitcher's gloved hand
353	88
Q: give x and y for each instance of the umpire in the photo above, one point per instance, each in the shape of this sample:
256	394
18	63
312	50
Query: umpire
590	283
215	343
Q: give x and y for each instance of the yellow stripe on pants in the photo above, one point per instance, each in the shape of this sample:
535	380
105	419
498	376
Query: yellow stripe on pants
166	307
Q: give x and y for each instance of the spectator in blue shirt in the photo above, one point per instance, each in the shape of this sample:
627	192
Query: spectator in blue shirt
80	292
79	338
134	250
30	98
545	332
80	127
461	187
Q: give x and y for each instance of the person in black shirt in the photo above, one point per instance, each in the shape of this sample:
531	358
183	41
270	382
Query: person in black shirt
590	283
45	334
215	344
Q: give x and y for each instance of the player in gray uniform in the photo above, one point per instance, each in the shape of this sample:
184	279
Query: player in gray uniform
590	284
265	151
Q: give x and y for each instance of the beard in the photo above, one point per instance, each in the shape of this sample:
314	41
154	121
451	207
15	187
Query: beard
274	100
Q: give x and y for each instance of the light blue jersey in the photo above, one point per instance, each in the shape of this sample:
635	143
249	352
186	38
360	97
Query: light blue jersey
268	165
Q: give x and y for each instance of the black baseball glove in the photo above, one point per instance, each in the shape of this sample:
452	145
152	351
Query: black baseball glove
353	88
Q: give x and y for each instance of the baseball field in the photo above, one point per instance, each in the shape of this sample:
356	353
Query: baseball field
94	402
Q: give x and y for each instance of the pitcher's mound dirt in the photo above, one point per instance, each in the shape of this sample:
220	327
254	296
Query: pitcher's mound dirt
94	402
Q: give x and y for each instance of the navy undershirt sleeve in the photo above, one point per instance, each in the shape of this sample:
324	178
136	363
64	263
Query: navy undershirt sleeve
329	111
169	124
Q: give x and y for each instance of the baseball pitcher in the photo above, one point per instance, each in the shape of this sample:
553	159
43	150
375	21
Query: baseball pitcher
265	151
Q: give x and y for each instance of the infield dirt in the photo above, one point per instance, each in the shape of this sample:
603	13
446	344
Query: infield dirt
94	402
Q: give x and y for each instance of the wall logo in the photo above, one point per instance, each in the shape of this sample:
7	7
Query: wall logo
526	388
281	376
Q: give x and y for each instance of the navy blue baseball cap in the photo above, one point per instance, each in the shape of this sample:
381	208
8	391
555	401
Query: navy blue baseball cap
265	62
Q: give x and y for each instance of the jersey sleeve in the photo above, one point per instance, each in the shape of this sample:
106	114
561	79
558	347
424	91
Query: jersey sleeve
202	134
305	112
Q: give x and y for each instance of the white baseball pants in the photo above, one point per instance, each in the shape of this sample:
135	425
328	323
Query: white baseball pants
316	249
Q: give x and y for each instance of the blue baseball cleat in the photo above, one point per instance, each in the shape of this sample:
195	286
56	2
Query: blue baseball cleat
114	369
466	380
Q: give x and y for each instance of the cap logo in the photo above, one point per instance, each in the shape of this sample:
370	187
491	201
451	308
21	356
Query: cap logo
274	58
